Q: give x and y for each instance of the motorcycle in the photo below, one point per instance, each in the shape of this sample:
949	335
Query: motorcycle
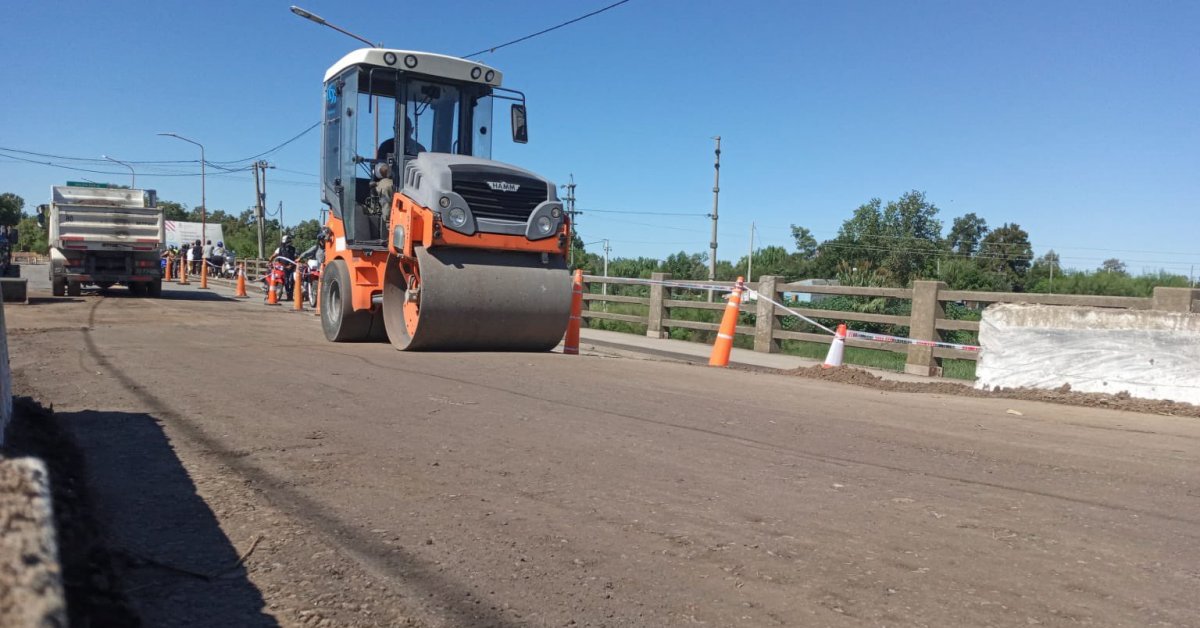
273	280
310	282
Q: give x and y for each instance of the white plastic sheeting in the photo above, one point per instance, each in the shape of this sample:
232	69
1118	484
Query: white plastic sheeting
1149	354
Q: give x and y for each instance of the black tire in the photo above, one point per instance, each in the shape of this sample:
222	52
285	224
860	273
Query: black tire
339	320
136	289
154	289
312	293
58	286
74	288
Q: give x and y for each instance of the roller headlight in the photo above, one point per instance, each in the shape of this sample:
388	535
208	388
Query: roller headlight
444	202
543	225
456	217
556	212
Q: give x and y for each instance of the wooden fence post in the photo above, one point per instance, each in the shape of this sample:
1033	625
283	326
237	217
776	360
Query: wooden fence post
926	309
658	313
765	321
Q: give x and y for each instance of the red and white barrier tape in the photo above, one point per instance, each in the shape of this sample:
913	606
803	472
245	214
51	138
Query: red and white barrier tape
866	335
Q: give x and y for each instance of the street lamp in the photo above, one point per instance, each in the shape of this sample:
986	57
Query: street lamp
132	174
607	249
203	200
316	19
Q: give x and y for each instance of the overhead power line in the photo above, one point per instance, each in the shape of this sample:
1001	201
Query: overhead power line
642	213
543	32
269	151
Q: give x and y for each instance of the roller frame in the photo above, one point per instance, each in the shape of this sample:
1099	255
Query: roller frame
488	291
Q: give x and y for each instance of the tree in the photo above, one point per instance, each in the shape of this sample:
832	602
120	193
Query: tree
966	233
1113	265
902	238
806	244
1044	271
683	265
10	208
305	234
173	210
912	225
1007	250
32	236
771	260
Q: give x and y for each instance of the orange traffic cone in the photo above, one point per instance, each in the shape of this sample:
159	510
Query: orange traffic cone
271	298
724	344
241	282
836	348
183	272
571	342
297	292
204	275
167	270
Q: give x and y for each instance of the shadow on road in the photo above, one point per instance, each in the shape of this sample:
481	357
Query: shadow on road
193	295
174	563
52	300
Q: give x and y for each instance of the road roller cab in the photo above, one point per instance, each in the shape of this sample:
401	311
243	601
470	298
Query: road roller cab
428	240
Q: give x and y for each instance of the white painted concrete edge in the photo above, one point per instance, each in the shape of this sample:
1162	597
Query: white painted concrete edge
31	589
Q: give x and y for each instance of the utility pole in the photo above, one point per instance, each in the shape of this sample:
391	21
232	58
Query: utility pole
281	221
607	248
750	257
259	209
571	211
712	245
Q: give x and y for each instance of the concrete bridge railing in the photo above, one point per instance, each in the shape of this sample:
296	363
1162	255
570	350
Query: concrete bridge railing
927	321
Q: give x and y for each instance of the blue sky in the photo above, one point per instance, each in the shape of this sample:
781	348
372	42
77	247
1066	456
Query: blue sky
1077	120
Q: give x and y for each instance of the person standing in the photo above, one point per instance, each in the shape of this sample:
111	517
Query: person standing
185	259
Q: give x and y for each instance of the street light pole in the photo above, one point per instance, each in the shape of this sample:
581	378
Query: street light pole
132	174
203	201
316	19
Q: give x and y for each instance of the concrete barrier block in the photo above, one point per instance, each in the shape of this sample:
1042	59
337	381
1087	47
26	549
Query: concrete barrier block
31	591
14	290
1148	354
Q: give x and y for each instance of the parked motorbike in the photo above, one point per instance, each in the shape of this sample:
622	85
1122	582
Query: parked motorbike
310	281
274	280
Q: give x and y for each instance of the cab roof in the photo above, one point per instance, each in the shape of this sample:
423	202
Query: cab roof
418	62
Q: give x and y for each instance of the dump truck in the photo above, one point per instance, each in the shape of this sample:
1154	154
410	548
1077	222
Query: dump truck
104	235
429	242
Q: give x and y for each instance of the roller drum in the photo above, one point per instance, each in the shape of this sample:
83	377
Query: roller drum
480	299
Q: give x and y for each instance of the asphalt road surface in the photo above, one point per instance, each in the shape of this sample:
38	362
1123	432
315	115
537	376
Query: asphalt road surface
364	486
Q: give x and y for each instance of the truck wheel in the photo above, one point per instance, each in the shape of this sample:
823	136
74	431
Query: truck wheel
137	289
74	289
154	289
339	321
58	286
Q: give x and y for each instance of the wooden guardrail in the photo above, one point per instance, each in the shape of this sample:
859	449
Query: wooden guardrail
926	322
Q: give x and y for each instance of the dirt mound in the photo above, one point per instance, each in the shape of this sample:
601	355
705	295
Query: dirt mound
1063	395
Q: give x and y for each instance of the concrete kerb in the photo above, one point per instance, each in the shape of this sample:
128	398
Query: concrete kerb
31	589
